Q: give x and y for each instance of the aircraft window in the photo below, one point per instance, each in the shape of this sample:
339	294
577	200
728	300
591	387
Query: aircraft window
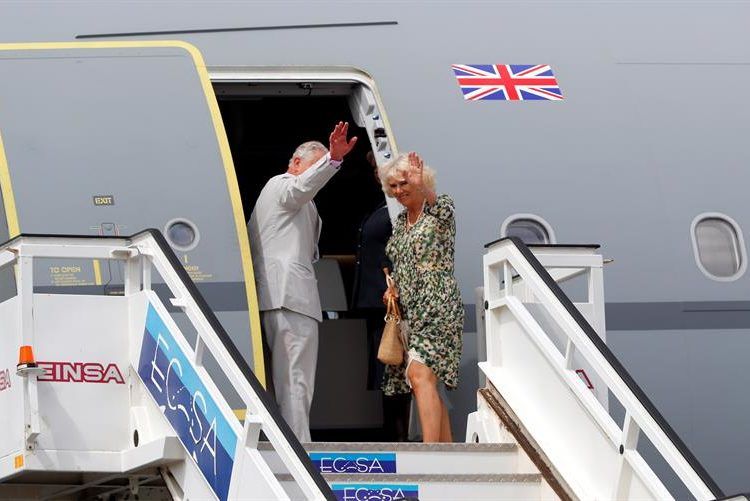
531	229
181	234
719	247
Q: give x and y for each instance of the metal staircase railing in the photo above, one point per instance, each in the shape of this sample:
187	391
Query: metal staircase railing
596	456
142	253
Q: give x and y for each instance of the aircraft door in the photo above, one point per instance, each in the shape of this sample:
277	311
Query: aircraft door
113	138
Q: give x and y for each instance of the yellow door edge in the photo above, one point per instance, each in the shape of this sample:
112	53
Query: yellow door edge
9	200
239	216
104	45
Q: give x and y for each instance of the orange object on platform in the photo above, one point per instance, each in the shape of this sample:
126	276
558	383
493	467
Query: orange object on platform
26	356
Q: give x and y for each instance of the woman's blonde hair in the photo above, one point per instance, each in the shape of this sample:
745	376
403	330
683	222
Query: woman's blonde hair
400	165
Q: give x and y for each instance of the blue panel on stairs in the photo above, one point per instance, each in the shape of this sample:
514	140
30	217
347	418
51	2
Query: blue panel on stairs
347	462
187	404
373	492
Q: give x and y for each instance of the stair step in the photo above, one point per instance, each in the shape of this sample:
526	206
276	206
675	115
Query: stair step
429	487
408	446
335	478
405	458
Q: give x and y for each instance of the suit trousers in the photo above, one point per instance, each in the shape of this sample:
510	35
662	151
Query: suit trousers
293	339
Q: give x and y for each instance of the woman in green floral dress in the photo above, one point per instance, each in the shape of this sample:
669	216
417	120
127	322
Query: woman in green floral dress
422	252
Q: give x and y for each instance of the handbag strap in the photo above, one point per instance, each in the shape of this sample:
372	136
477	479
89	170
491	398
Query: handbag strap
392	310
389	280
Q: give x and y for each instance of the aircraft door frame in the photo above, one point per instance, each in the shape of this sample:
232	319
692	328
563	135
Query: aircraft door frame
365	101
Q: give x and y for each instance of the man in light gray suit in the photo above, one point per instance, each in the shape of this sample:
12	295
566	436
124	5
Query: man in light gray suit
284	229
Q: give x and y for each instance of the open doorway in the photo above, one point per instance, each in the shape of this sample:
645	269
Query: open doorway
263	133
265	122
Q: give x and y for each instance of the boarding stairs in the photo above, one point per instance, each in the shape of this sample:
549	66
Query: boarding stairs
119	401
133	395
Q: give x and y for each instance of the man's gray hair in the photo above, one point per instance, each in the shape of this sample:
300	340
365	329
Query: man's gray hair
308	148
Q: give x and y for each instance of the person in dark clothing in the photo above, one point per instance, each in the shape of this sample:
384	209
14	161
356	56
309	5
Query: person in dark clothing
367	299
369	279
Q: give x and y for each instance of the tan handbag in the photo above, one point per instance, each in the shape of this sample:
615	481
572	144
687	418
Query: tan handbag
391	349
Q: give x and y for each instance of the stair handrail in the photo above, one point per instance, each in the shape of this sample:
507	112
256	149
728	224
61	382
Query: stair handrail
510	253
149	248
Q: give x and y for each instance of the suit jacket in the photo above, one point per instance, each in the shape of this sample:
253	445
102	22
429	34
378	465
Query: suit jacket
369	280
284	229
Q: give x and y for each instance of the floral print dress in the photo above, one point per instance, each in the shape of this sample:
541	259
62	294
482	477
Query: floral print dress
422	257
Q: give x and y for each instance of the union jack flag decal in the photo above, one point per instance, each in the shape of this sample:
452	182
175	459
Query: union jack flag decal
507	82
